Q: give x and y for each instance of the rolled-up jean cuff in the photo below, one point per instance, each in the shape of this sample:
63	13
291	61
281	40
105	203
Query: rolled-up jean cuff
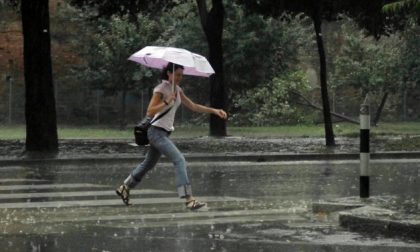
184	191
130	181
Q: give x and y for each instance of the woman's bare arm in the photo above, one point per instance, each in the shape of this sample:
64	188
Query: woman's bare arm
156	104
201	108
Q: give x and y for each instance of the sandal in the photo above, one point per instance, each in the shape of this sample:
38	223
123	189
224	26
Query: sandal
194	204
124	192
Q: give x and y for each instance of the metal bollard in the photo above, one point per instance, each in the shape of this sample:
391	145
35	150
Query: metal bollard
364	148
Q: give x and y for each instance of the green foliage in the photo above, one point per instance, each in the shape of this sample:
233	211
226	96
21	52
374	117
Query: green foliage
181	28
257	48
272	104
107	66
109	8
389	64
368	64
410	60
411	8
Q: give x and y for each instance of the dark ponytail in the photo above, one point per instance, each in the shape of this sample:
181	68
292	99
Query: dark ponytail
169	68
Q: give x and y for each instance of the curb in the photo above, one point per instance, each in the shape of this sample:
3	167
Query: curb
225	157
329	207
365	216
380	221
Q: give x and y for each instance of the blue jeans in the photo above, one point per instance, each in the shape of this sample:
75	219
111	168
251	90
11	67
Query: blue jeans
161	144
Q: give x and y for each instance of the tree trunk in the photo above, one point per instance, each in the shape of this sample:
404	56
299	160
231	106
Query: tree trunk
380	108
329	134
40	112
212	23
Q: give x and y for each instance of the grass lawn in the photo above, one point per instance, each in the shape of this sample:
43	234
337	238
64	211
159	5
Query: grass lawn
342	129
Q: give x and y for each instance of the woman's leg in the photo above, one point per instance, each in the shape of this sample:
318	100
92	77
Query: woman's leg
152	157
137	174
160	140
161	144
167	148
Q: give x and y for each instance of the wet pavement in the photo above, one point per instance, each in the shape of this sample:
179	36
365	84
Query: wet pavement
254	206
232	144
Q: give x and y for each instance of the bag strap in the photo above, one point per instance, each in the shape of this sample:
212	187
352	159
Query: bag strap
161	115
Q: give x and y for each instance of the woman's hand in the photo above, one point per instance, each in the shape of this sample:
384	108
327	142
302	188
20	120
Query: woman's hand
201	108
221	113
171	98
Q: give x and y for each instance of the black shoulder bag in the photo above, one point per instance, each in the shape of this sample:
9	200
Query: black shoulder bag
140	130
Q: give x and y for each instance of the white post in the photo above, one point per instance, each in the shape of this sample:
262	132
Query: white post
364	148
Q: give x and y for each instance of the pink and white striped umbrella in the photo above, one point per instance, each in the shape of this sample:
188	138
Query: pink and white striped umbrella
159	57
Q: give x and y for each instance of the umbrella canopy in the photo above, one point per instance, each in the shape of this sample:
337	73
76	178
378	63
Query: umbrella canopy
159	57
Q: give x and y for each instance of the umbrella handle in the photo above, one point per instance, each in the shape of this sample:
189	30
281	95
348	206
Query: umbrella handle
173	77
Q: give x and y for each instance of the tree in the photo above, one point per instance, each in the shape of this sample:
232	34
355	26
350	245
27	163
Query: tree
258	49
272	102
401	6
370	16
213	31
410	49
317	19
317	10
107	66
109	8
212	22
375	64
40	113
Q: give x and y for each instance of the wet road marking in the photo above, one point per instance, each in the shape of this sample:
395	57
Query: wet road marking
187	215
109	202
21	180
69	198
48	186
79	194
209	221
